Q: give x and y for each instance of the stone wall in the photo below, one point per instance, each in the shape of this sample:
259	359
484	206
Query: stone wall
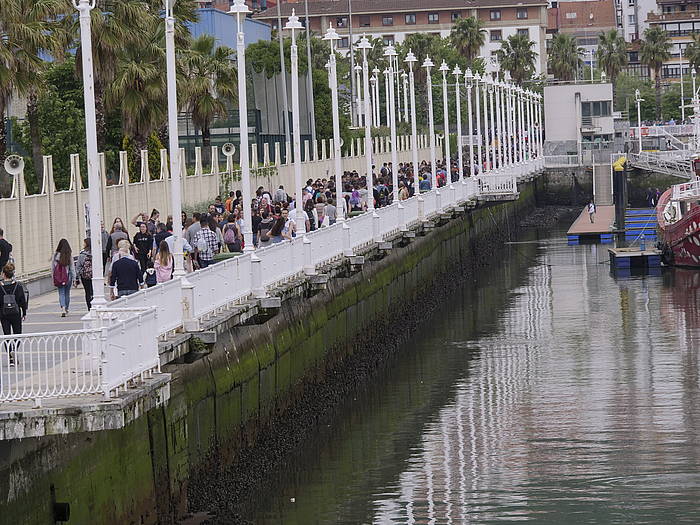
225	407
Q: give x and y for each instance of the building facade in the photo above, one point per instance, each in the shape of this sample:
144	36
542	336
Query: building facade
394	20
679	19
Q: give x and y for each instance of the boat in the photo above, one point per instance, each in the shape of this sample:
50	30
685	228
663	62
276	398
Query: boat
678	214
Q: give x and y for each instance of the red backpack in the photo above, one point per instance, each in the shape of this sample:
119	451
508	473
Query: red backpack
60	275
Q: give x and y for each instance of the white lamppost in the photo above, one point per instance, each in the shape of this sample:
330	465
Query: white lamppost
508	111
444	69
639	100
427	64
457	72
397	102
293	24
360	106
540	144
375	95
410	60
682	94
364	45
373	98
484	90
93	162
521	122
530	125
492	124
693	74
173	139
469	84
240	8
499	128
404	77
390	53
477	79
332	37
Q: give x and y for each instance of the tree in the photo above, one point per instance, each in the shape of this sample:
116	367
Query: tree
517	57
210	81
24	33
654	51
565	57
692	52
612	53
468	36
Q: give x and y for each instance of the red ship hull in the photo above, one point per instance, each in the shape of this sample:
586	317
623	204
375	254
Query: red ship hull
680	240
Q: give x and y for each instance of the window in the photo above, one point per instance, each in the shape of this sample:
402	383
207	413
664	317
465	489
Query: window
387	20
524	32
365	21
521	13
632	19
495	14
595	109
634	56
631	3
411	19
388	40
433	18
496	35
344	42
341	21
455	15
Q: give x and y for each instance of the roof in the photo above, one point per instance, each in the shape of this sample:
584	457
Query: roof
340	7
586	14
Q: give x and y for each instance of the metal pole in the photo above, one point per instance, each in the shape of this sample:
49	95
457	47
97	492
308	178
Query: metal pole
492	125
365	45
498	146
457	72
391	53
300	218
477	78
484	89
93	161
240	8
530	145
639	121
411	59
404	77
173	140
397	102
469	84
358	71
283	80
682	95
332	38
446	122
427	64
309	81
387	82
354	108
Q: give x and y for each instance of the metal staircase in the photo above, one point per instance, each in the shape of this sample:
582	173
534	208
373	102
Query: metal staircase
677	165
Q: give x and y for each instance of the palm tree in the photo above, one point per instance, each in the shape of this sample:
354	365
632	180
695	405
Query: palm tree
468	36
24	33
654	51
565	57
612	53
210	80
692	52
517	57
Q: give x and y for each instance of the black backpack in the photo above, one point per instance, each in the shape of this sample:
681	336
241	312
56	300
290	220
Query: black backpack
9	301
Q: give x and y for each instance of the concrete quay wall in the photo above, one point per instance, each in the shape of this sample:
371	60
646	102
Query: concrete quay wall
225	404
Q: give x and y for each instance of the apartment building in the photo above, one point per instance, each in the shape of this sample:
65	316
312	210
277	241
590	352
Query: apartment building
631	17
393	20
680	19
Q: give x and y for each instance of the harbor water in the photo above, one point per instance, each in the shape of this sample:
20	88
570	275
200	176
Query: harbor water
546	390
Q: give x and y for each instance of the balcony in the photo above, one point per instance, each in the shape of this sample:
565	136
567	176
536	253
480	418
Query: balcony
690	14
590	124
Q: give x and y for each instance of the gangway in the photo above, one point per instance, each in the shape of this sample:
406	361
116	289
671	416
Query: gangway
676	165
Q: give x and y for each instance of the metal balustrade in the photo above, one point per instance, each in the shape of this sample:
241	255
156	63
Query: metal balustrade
670	165
119	343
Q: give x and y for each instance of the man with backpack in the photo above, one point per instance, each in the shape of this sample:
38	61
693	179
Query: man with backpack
13	308
5	250
84	271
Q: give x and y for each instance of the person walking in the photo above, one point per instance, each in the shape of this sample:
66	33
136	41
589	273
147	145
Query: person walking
206	244
126	276
591	211
5	250
13	309
84	271
143	244
163	263
63	272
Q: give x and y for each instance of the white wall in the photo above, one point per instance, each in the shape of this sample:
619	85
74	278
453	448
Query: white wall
561	114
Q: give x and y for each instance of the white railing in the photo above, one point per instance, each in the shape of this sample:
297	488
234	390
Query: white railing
562	161
121	347
660	131
686	191
678	167
119	343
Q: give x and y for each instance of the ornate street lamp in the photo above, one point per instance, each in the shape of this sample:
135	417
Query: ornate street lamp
293	25
444	69
332	37
469	84
427	64
364	45
411	60
477	81
390	53
457	72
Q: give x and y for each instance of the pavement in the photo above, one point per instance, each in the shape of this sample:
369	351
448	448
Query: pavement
44	313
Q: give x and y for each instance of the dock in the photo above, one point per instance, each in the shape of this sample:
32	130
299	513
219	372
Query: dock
625	258
600	230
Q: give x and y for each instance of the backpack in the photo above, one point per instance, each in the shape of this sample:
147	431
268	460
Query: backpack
355	198
60	274
202	245
9	302
86	272
229	234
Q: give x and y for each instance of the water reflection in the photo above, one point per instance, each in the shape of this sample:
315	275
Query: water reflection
547	391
